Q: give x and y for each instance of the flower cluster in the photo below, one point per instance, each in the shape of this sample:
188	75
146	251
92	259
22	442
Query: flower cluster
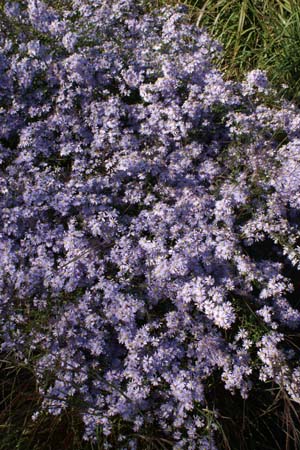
147	205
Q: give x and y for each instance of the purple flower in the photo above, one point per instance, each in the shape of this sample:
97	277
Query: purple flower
148	214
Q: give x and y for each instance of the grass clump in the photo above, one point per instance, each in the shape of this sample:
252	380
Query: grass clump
255	34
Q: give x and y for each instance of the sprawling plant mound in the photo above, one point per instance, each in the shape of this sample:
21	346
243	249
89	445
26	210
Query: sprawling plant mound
150	216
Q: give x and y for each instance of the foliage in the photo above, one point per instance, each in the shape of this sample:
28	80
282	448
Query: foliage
255	34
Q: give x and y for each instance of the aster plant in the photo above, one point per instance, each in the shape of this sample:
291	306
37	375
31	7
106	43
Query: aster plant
149	210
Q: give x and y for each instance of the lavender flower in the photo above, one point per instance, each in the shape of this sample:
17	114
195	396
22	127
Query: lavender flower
144	202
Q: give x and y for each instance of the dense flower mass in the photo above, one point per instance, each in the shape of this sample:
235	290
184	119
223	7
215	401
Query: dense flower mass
149	210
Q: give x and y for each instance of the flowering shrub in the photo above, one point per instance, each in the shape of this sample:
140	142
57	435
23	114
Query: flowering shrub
149	210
